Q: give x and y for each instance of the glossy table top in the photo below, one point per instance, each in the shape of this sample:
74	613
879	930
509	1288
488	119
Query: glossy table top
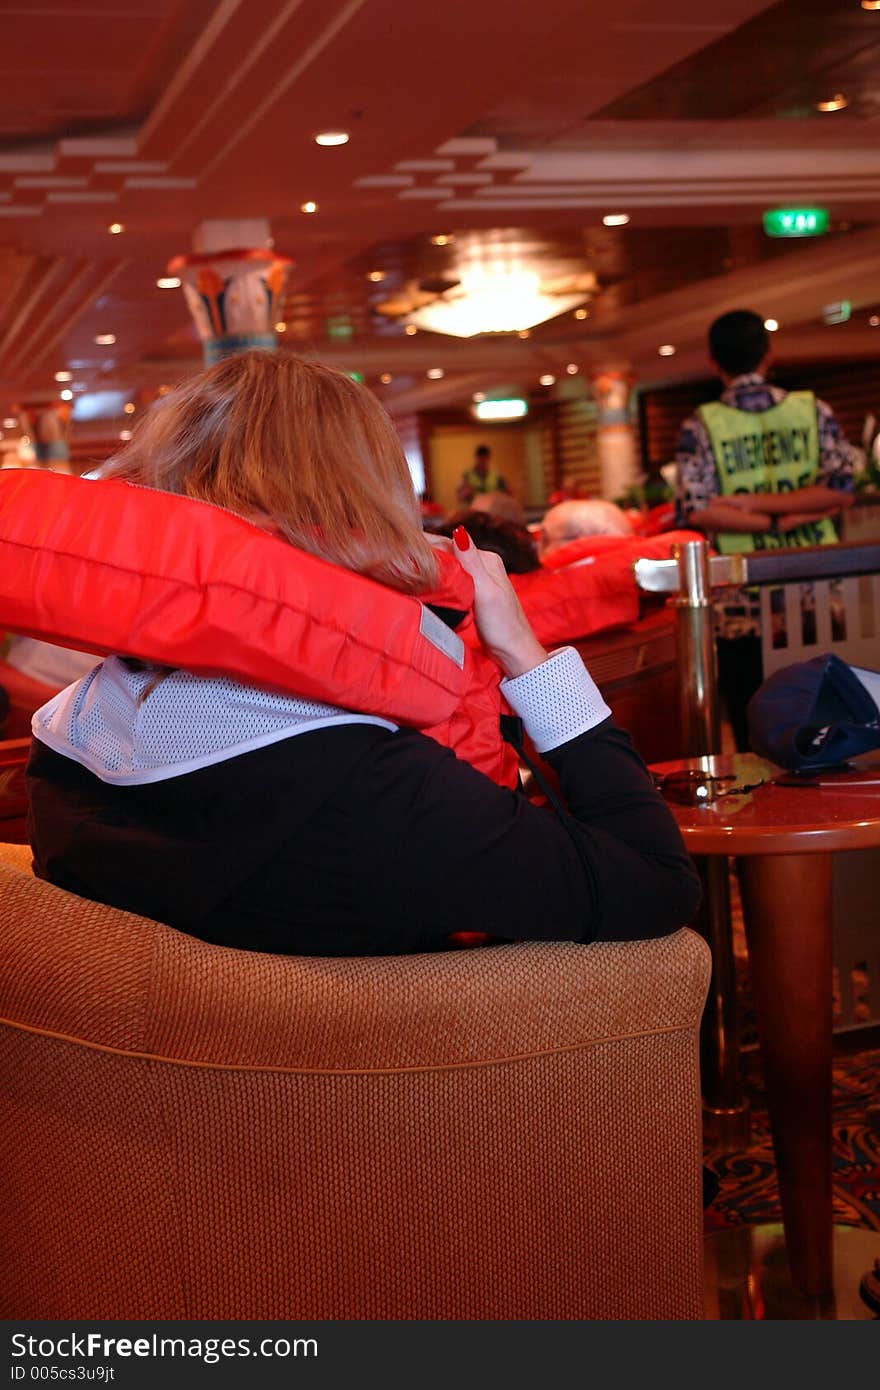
825	812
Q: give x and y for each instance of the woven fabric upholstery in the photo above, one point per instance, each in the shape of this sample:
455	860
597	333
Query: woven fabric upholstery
195	1132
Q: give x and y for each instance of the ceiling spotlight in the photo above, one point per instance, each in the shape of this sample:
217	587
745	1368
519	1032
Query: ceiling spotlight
64	376
310	206
105	339
478	396
10	423
582	313
129	407
771	325
547	379
280	327
124	435
386	378
615	219
835	103
332	137
410	330
524	333
572	369
168	282
115	228
874	320
434	373
442	239
67	394
377	276
667	350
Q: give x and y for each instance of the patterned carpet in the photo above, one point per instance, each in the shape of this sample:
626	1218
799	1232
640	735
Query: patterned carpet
748	1176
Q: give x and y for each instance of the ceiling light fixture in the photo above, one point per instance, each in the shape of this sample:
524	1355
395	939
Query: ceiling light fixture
572	369
615	219
582	313
168	282
498	297
435	373
410	330
478	396
105	339
10	423
513	409
871	4
666	350
376	276
386	378
442	239
129	407
115	228
524	333
332	137
874	320
280	327
66	394
548	379
771	325
64	376
309	206
835	103
124	435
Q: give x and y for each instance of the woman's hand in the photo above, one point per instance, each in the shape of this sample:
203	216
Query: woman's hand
503	626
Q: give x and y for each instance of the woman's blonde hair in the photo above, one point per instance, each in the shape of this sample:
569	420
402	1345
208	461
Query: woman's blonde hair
296	445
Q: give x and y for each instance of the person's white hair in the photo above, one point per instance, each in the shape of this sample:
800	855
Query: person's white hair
570	520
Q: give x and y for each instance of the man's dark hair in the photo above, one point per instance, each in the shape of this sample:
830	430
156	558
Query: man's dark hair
483	451
738	342
513	543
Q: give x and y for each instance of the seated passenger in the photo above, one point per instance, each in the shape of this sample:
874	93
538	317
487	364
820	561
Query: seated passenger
569	521
513	543
272	823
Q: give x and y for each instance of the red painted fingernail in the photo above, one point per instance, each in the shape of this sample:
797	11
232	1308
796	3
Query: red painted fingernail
461	538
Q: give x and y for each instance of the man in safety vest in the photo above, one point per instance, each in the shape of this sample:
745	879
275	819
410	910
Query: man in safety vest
481	477
759	469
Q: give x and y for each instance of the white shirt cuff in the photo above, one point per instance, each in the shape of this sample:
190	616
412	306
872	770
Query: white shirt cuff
557	700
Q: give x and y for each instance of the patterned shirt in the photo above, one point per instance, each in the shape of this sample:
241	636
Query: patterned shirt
698	482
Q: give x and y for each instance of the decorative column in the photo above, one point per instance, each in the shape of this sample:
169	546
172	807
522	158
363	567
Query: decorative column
47	423
234	286
616	438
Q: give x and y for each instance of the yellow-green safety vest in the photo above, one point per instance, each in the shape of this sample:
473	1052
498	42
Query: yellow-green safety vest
775	450
477	483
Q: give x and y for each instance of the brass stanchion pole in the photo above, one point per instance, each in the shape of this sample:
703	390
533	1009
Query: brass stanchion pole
726	1110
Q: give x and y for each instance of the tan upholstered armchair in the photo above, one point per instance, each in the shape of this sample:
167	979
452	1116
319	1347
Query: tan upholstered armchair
196	1132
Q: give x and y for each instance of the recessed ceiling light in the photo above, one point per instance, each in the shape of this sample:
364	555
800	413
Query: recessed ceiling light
547	379
871	4
332	137
616	219
442	239
874	320
667	350
386	378
835	103
129	407
105	339
25	441
115	228
478	396
434	373
124	435
309	206
410	330
771	325
524	333
582	313
280	327
572	369
10	423
67	394
64	376
168	282
377	276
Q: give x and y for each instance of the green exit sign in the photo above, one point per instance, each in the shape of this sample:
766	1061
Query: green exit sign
796	222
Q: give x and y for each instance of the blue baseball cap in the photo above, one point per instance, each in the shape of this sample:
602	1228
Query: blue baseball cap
813	714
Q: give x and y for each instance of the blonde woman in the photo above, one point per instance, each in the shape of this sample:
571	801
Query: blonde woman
271	823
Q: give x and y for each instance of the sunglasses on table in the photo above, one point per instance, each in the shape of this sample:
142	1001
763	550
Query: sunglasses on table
691	787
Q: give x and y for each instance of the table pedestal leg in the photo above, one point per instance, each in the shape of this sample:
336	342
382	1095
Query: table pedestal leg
726	1117
787	908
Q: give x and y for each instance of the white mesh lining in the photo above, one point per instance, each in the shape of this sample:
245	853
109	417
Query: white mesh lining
557	700
187	722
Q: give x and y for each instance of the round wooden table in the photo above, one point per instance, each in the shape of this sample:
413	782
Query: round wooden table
784	837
